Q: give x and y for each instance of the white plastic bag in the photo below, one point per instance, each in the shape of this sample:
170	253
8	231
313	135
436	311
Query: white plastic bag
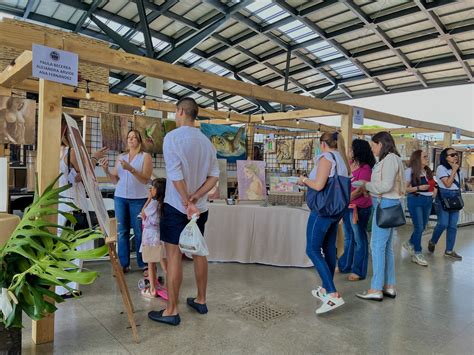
191	241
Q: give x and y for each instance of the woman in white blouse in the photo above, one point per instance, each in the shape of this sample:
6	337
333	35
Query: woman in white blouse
387	186
131	174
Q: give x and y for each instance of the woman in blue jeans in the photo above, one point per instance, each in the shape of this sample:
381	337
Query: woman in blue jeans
449	184
387	186
356	219
131	174
420	186
321	231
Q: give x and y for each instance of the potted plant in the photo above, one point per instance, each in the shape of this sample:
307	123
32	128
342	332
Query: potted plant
35	260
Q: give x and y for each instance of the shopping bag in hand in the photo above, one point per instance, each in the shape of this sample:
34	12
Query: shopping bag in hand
191	240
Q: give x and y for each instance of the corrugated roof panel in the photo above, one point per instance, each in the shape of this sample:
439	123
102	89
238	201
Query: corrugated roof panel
430	52
440	68
198	11
327	14
114	6
457	6
47	8
382	63
455	17
410	29
129	11
362	42
162	22
75	17
233	30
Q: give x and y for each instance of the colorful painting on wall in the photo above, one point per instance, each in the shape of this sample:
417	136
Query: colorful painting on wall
114	129
230	142
303	149
88	174
284	184
17	120
284	151
152	133
169	125
270	145
251	180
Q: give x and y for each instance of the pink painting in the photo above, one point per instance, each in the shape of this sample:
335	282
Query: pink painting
251	180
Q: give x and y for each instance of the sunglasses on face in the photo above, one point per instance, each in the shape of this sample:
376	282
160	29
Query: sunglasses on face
452	155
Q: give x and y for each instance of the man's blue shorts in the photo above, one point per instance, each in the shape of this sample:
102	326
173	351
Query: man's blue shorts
173	222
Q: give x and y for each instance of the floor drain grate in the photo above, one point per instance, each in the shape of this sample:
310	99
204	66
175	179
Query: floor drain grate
264	312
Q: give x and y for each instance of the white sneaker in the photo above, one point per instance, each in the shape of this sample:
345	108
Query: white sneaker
319	294
419	259
329	304
408	247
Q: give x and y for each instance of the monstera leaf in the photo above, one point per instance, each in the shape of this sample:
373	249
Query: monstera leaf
35	259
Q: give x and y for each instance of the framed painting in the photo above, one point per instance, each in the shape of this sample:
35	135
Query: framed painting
17	120
152	133
114	129
284	151
303	149
251	180
230	142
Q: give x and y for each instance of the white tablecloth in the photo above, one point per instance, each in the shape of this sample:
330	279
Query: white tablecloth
255	234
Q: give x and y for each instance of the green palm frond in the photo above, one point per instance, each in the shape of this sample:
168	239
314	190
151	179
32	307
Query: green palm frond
35	259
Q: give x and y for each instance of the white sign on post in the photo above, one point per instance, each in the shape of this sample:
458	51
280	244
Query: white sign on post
55	65
358	116
458	133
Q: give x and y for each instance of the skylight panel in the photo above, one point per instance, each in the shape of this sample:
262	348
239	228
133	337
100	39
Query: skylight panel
258	5
272	14
138	38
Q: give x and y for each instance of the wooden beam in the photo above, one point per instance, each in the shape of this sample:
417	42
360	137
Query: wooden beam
49	143
299	114
17	72
408	130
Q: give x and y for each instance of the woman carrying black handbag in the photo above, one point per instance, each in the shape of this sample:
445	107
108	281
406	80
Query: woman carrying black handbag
448	202
386	186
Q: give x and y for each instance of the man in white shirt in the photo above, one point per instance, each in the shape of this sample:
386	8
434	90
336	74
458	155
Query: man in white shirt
192	171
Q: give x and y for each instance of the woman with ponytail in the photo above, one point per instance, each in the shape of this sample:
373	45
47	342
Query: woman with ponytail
321	231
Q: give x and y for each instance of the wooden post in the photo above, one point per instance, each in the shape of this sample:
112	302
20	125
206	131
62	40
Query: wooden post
447	140
346	131
250	140
49	143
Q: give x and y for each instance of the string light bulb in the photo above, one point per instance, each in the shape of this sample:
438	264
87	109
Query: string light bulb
143	108
263	119
88	90
228	117
297	122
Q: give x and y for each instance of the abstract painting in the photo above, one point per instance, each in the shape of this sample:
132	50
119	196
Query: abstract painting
303	149
284	151
17	120
251	180
88	174
152	133
114	130
230	142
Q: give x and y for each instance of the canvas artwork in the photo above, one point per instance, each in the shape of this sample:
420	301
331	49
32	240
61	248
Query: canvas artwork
152	133
303	149
317	147
284	151
270	145
17	120
88	174
220	190
283	184
168	126
230	142
251	180
114	129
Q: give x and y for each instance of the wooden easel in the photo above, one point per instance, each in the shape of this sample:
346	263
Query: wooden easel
111	241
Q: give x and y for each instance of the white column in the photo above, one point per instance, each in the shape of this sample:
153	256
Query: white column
154	88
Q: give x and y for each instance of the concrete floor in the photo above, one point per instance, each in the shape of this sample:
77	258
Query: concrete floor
433	313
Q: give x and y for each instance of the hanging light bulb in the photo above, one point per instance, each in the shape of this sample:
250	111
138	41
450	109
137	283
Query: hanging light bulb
88	91
143	108
297	122
263	119
228	116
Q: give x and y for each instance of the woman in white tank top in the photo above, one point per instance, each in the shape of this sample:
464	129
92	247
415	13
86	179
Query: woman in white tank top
131	174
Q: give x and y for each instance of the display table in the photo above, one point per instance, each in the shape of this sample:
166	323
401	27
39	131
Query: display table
256	234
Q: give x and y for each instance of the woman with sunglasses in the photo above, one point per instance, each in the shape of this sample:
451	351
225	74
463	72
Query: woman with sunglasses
449	183
420	187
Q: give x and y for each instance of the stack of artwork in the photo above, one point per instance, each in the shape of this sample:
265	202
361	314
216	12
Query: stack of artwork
251	180
17	120
114	130
152	133
230	142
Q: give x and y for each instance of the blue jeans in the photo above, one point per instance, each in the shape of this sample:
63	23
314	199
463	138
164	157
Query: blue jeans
361	242
345	261
321	234
383	261
127	211
447	220
419	207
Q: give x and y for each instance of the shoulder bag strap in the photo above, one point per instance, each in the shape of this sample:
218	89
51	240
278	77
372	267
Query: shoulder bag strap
335	163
